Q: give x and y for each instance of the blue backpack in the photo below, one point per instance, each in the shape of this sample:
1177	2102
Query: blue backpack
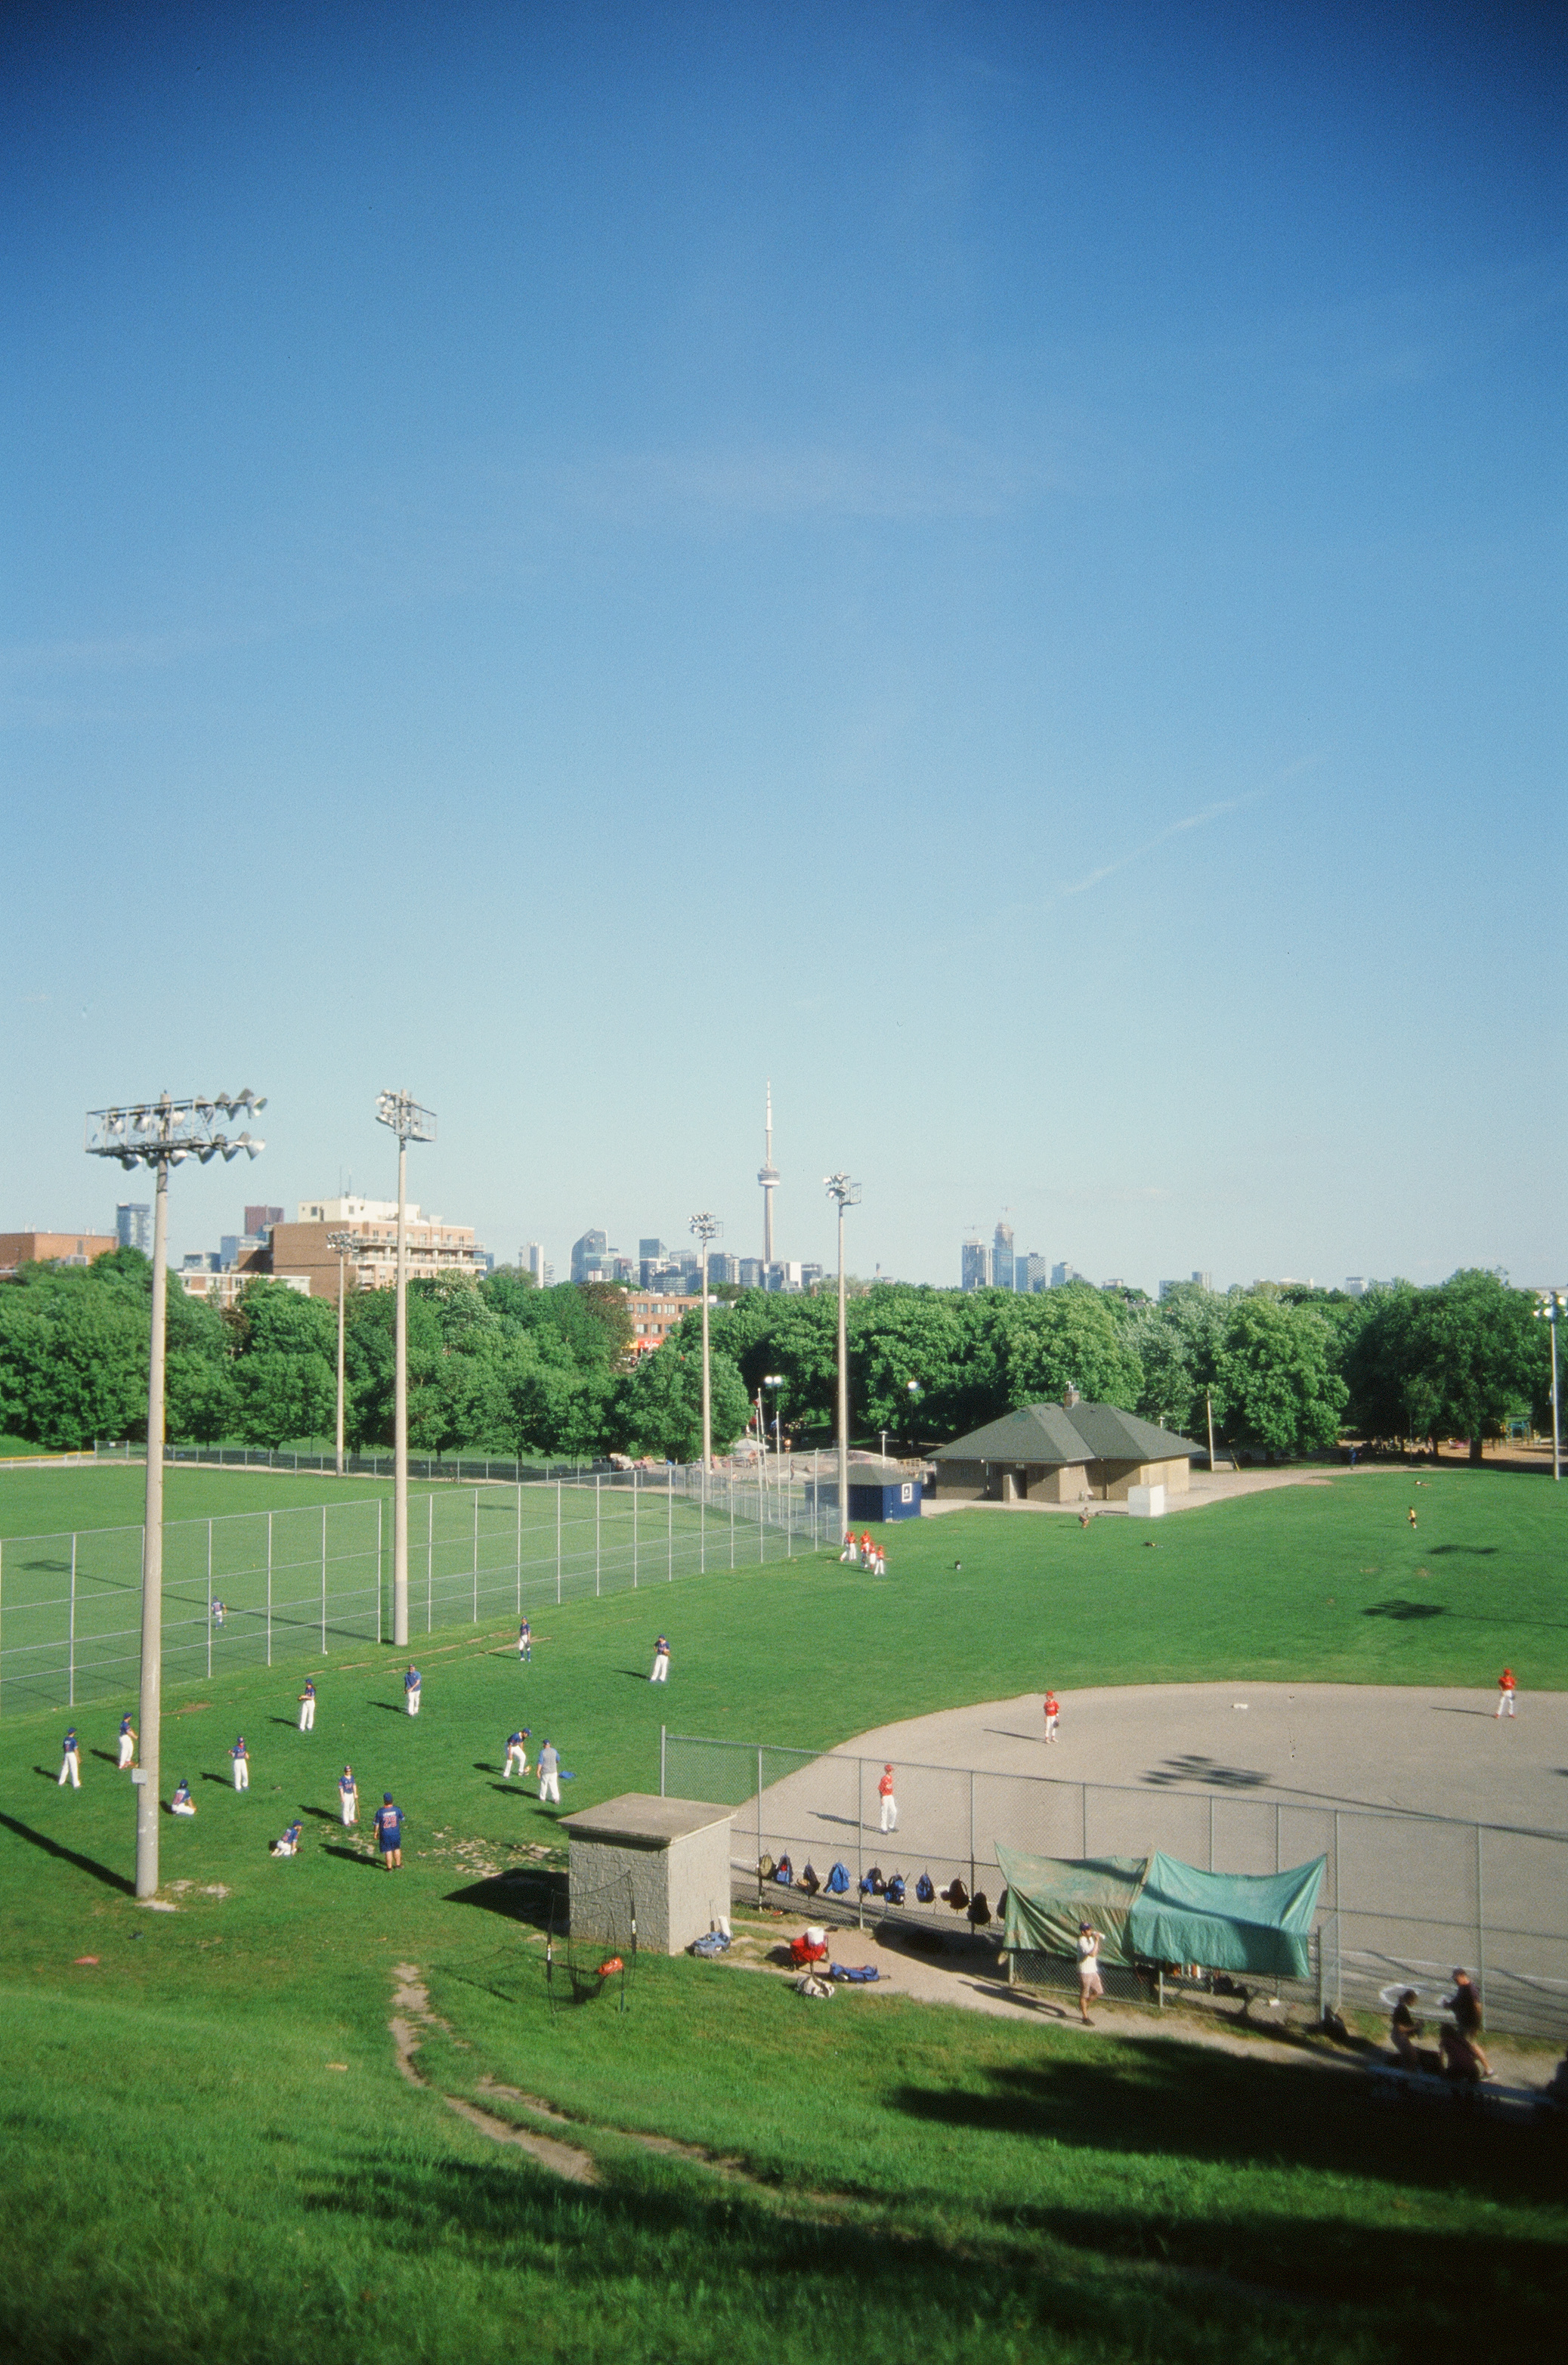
895	1890
859	1975
715	1943
925	1889
785	1873
837	1881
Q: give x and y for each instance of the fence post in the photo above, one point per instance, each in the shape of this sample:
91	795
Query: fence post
634	1542
1278	1865
761	1523
730	1490
378	1508
1480	1926
476	1555
557	1543
1083	1803
663	1731
1211	1831
1338	1933
596	1535
972	1830
323	1580
209	1595
430	1562
669	1520
520	1546
759	1826
71	1646
269	1589
859	1841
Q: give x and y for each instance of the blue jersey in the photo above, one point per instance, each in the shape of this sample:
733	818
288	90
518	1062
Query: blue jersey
293	1832
240	1749
70	1742
346	1784
389	1826
124	1725
411	1680
514	1741
309	1691
182	1796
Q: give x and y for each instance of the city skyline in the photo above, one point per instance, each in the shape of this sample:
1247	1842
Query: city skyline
1052	520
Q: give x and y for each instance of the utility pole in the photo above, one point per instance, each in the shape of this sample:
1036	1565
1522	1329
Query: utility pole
707	1229
344	1243
1553	1304
848	1193
1209	1409
409	1122
160	1134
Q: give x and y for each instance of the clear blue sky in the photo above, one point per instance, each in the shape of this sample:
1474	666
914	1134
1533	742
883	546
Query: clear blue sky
1001	566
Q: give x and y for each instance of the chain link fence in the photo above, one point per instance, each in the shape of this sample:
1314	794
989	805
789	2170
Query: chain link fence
1405	1897
244	1590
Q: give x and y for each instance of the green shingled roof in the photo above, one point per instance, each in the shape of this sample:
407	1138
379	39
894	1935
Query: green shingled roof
1052	1435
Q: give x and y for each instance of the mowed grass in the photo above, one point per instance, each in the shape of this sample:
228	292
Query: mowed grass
187	2173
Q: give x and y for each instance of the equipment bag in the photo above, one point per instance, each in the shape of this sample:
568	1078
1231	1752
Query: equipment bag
785	1873
859	1975
766	1867
896	1889
924	1888
809	1881
837	1881
957	1895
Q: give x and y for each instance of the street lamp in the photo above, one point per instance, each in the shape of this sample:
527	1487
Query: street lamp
345	1243
707	1229
409	1122
848	1194
1553	1304
160	1134
914	1393
774	1380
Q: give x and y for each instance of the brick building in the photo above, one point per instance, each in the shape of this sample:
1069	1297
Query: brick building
300	1249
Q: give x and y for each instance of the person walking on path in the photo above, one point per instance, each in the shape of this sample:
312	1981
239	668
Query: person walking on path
1090	1983
1507	1688
661	1661
525	1642
242	1757
1465	2005
411	1689
389	1832
889	1804
70	1769
127	1744
517	1753
348	1797
307	1705
1053	1709
549	1775
182	1803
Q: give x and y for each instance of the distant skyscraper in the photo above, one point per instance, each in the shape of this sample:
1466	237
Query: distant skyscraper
1031	1272
976	1266
1064	1272
531	1259
1002	1258
259	1220
768	1175
133	1224
1203	1280
751	1271
589	1251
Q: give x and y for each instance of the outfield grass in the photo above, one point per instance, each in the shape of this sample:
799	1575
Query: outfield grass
186	2175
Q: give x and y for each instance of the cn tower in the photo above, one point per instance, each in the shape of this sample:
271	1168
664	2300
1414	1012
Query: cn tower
768	1175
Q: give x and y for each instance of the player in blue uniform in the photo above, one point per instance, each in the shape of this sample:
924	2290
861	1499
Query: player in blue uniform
127	1743
242	1757
389	1832
70	1771
182	1803
218	1613
661	1661
526	1641
411	1689
348	1797
289	1843
517	1755
307	1705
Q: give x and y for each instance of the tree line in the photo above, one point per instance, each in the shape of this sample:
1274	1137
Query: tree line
497	1365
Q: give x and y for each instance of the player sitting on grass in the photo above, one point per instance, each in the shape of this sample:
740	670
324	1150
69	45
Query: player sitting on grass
182	1803
289	1843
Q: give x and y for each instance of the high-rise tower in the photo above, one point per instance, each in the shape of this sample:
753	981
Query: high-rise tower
768	1175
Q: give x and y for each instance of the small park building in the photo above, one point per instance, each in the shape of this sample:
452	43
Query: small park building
1068	1452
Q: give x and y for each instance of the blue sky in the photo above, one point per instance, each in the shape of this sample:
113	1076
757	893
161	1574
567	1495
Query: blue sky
1003	567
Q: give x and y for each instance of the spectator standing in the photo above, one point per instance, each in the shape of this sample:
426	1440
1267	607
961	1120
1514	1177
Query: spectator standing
1404	2028
1465	2006
550	1775
1090	1983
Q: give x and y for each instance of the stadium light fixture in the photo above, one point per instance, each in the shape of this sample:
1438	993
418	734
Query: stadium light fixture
156	1134
848	1193
707	1227
409	1122
1553	1305
346	1244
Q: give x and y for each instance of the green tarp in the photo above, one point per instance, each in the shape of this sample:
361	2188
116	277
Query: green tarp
1156	1909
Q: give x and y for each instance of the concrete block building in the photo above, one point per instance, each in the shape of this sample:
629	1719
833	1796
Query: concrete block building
1068	1452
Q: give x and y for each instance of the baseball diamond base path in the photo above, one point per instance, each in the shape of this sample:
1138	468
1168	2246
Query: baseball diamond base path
1245	1777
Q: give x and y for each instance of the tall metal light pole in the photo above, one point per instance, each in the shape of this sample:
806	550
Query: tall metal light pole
409	1122
344	1243
1553	1304
707	1227
848	1194
774	1380
160	1134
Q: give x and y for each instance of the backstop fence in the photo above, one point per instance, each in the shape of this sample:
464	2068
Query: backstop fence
249	1587
1405	1897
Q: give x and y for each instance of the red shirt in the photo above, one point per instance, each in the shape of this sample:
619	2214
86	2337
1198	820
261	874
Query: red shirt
1506	1681
1053	1706
885	1787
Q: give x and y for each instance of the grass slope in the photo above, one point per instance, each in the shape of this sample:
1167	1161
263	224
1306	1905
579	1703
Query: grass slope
186	2175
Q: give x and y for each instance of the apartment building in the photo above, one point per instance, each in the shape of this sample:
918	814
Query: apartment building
300	1250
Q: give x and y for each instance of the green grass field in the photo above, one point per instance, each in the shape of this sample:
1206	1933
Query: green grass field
188	2174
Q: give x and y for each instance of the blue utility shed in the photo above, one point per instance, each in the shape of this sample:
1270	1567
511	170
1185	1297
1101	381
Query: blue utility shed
878	1490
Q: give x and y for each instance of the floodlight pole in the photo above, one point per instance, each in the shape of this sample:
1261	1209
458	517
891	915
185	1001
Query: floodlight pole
1553	1304
848	1194
409	1123
342	1242
707	1227
160	1134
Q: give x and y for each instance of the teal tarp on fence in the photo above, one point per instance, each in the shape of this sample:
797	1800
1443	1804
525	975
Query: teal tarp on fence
1156	1909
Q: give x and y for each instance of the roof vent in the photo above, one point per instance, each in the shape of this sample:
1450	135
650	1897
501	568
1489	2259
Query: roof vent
1070	1396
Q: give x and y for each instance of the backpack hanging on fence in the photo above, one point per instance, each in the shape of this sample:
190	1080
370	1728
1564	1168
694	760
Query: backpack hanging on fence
785	1873
809	1881
873	1884
837	1881
923	1889
896	1889
956	1895
766	1867
979	1912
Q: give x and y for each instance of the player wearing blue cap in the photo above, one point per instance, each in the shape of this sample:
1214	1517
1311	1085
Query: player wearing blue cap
348	1797
411	1689
389	1832
526	1641
289	1843
661	1661
242	1757
70	1771
307	1705
517	1755
127	1744
182	1803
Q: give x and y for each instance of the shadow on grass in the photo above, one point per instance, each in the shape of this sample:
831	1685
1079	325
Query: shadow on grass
1471	1551
69	1855
1404	1611
319	1814
105	1757
353	1855
525	1894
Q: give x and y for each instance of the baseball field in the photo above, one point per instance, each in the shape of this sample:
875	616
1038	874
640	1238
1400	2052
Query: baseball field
228	2126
